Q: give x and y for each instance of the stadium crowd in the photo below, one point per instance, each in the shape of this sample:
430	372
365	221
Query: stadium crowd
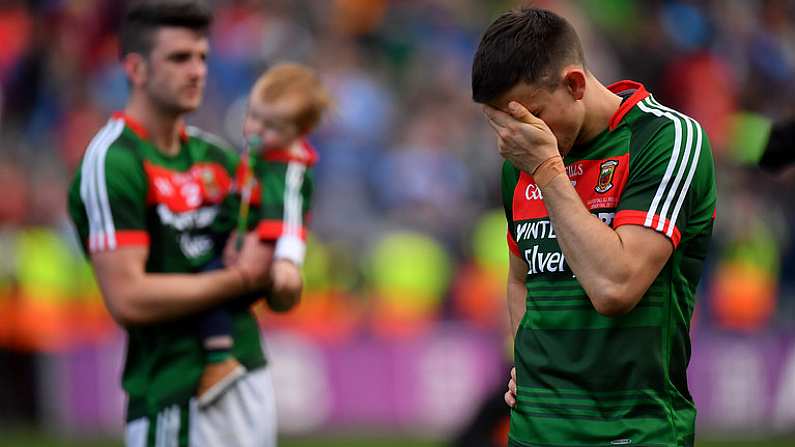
406	224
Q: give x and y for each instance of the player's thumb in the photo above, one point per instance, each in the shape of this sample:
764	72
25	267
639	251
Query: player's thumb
519	112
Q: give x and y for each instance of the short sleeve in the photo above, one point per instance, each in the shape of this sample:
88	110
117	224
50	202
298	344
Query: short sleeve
111	189
286	196
671	178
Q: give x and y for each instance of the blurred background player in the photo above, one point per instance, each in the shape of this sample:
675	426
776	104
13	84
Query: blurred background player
144	200
274	181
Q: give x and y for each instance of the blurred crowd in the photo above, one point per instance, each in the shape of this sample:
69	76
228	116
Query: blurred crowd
407	221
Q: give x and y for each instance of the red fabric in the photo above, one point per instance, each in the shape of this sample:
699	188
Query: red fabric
632	217
141	131
270	230
303	153
128	238
512	245
626	106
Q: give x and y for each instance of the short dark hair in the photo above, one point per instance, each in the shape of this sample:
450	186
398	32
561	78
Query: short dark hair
143	17
528	44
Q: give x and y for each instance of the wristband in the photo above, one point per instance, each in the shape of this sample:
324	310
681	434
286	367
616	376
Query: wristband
547	170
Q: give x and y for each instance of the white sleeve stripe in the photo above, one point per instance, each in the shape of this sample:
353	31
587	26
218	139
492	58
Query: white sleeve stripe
691	171
293	202
661	189
679	172
689	179
110	229
87	189
93	187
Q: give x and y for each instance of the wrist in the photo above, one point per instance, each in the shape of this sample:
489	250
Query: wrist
548	170
244	279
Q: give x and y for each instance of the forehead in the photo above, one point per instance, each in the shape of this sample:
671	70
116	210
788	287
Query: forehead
287	106
170	39
528	95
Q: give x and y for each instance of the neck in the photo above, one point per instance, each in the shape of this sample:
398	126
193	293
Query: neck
600	106
162	126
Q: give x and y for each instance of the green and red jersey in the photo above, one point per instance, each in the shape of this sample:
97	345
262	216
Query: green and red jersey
585	379
127	193
281	197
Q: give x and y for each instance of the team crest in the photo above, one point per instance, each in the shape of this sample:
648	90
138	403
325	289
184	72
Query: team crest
210	183
606	172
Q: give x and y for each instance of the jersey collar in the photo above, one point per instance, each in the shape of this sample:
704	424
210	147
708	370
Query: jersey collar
301	151
139	130
639	94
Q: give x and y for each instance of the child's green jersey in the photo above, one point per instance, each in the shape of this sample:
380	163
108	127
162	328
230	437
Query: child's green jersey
281	197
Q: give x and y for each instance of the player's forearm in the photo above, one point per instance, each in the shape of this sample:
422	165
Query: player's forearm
152	298
593	250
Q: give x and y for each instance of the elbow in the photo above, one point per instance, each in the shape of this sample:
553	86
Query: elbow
614	301
124	313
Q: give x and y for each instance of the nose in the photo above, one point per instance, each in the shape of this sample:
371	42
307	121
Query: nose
198	68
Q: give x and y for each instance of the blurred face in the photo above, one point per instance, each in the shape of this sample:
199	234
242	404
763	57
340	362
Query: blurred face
274	122
176	69
561	108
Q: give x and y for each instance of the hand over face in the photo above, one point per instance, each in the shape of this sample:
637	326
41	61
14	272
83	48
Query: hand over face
523	139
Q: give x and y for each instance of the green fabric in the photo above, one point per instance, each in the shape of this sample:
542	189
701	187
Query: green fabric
164	361
585	379
273	179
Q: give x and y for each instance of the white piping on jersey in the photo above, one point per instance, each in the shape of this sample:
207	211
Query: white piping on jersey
693	165
293	201
208	137
679	172
89	199
93	187
650	106
168	422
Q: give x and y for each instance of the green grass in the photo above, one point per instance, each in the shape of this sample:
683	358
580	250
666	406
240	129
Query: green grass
29	439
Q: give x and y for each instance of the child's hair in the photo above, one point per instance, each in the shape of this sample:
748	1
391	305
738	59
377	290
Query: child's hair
290	80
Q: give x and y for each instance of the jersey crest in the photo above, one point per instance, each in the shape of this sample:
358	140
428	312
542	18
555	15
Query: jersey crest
606	172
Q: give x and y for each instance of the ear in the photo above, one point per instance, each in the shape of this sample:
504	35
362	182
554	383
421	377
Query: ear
574	80
135	68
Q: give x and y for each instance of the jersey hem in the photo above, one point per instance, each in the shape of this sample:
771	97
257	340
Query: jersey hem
137	408
513	442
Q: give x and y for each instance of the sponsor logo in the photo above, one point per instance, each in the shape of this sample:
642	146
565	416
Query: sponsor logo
188	220
573	170
541	229
195	246
621	442
533	192
606	172
540	262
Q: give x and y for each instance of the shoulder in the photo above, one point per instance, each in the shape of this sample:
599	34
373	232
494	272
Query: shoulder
209	139
110	149
212	146
660	129
301	152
